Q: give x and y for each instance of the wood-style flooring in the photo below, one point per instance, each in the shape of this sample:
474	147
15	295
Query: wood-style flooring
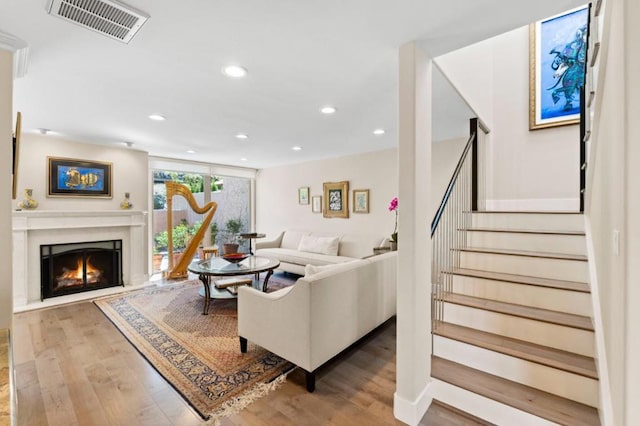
75	368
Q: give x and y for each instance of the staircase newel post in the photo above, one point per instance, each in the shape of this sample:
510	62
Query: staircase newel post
473	130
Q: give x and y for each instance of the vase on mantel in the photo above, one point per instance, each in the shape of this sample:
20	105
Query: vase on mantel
28	203
126	203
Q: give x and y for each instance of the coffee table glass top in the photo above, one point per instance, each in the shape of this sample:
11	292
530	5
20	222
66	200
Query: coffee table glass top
220	267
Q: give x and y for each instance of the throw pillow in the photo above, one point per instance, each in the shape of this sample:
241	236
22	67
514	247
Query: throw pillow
313	269
320	245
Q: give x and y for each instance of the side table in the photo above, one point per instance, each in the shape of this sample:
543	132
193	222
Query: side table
251	236
207	252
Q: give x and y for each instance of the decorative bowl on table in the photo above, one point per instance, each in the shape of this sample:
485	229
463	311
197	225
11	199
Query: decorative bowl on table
235	257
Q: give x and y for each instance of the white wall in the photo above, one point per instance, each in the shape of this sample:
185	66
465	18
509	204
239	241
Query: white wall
129	173
530	169
6	126
277	207
612	204
632	237
445	156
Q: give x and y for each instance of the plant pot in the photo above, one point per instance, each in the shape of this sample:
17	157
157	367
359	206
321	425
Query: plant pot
157	262
230	248
393	245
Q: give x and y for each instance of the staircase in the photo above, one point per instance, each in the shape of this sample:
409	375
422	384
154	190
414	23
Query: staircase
513	341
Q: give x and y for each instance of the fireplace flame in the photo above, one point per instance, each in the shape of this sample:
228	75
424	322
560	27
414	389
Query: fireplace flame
73	277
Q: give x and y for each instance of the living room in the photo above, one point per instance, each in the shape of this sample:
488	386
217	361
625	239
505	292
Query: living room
275	190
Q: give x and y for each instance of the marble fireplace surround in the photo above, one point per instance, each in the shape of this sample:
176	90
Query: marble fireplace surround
36	227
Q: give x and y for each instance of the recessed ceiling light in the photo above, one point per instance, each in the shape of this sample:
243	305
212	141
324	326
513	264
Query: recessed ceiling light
296	148
157	117
234	71
378	132
328	110
44	131
128	144
243	159
242	136
190	151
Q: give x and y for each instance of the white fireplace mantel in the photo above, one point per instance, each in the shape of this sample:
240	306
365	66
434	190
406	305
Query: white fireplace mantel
31	228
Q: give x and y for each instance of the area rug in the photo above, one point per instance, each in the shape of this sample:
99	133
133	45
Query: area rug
199	355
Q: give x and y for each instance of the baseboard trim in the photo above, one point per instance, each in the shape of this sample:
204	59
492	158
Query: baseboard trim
411	412
482	407
534	204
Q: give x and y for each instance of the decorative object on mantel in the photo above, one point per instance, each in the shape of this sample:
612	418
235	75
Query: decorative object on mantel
78	178
126	204
393	207
361	201
28	203
336	199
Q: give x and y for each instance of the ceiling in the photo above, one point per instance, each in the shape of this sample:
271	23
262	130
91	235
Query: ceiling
300	56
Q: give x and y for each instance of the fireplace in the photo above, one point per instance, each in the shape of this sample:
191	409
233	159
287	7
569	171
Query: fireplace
77	267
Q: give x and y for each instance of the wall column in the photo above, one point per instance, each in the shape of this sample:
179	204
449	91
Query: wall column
6	146
411	399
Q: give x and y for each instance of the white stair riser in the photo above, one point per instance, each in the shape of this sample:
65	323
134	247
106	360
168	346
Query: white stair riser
556	336
483	407
571	302
561	269
530	221
548	379
551	243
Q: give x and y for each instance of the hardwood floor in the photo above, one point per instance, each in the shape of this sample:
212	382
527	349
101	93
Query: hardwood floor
75	368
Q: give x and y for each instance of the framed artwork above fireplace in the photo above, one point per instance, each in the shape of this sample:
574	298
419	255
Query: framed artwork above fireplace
78	178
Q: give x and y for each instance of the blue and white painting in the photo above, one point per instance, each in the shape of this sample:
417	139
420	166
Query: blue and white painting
561	53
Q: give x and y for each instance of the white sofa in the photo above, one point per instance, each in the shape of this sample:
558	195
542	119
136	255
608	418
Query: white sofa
296	249
322	314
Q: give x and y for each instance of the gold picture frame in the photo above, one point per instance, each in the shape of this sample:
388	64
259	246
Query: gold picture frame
361	201
336	199
553	99
303	195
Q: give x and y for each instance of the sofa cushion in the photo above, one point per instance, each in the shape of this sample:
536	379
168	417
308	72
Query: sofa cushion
301	258
291	239
320	245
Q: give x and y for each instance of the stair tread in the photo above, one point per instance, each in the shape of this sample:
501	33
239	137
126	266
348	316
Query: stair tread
523	279
528	212
545	315
542	404
551	357
442	414
525	231
548	255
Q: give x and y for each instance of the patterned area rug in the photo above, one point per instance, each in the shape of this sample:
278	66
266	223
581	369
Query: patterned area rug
198	354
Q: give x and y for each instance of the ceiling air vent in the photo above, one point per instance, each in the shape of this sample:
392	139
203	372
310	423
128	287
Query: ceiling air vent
107	17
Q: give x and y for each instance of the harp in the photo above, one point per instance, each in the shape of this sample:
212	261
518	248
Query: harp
179	270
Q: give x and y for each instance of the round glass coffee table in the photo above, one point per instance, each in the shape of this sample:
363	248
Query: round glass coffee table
218	267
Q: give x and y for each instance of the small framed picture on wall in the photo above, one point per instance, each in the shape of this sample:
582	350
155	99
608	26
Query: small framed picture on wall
316	204
361	201
303	195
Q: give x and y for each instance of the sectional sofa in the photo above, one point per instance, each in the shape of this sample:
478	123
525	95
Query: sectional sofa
296	249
